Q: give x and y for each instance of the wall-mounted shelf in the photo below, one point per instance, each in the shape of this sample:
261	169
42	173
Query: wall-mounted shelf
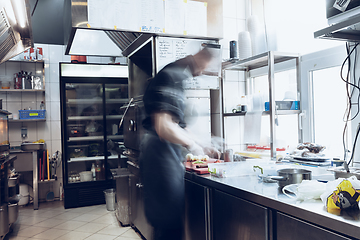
269	60
86	138
22	90
341	31
27	61
96	101
27	120
277	112
257	61
95	158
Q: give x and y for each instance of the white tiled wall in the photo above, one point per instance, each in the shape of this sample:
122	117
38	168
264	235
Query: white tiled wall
234	12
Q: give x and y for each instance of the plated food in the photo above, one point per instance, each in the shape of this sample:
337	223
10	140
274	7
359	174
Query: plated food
192	158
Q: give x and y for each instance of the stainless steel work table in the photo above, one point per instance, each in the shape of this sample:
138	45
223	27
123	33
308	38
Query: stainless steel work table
35	170
267	194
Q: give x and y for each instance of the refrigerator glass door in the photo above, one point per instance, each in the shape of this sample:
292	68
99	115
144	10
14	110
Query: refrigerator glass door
85	131
116	96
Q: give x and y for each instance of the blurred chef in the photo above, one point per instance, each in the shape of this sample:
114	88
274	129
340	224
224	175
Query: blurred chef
162	146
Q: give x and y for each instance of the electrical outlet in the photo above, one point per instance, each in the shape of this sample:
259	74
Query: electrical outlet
23	132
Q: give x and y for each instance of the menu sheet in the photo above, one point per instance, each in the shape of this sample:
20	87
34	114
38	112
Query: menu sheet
183	17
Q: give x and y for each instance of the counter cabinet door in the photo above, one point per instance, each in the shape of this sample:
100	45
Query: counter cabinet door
137	211
236	218
291	228
196	211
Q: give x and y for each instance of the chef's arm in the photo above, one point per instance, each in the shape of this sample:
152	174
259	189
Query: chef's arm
207	147
168	129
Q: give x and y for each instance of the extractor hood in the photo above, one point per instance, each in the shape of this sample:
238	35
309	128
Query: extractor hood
108	28
15	28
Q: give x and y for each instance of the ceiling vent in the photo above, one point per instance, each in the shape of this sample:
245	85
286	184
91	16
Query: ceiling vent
15	28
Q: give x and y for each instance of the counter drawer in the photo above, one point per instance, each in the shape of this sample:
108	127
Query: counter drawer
295	229
236	218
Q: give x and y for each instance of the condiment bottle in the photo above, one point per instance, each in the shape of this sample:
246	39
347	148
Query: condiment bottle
98	170
93	171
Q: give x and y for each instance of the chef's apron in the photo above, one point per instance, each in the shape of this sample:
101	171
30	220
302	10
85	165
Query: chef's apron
160	161
163	180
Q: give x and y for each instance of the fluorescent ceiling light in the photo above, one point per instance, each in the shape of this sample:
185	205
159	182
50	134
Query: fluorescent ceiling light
20	12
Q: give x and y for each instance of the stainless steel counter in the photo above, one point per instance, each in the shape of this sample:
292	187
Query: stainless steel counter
250	188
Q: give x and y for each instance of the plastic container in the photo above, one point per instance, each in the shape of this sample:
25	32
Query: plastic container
110	199
24	193
231	169
5	84
86	176
32	114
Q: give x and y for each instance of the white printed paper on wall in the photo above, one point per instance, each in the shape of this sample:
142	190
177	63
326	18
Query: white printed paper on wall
109	14
95	10
126	14
196	18
175	16
152	17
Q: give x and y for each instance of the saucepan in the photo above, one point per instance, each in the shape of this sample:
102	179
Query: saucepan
288	176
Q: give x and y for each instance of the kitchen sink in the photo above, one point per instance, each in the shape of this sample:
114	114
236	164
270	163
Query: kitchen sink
32	146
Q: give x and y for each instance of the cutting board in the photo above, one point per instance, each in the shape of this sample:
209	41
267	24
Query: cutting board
191	168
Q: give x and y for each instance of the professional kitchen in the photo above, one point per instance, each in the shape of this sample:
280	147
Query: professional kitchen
179	119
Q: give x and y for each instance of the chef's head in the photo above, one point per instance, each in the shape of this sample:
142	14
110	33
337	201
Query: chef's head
202	60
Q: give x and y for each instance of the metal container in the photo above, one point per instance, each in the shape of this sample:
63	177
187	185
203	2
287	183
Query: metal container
341	172
110	199
122	212
4	220
13	181
229	156
291	176
13	212
344	174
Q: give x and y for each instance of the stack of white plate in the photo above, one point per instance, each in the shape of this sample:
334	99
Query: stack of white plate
257	35
244	45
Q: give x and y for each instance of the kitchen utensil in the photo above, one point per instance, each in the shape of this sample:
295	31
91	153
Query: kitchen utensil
288	176
86	176
345	164
341	172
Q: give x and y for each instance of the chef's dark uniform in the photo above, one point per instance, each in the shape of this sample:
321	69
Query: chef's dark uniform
162	171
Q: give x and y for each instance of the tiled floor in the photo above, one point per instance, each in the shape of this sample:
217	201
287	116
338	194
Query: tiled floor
52	221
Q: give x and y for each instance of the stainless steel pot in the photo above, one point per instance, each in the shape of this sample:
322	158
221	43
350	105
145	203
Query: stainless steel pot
291	176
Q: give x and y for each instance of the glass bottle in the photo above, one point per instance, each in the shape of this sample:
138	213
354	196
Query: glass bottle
93	171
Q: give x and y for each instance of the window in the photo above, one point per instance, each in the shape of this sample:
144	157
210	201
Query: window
329	104
324	100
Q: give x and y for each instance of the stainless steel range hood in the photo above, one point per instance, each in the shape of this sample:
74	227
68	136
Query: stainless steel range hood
109	36
15	28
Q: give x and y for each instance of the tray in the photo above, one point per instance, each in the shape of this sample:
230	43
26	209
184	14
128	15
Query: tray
32	146
310	159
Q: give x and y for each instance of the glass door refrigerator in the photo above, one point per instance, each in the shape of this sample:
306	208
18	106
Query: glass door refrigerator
92	99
